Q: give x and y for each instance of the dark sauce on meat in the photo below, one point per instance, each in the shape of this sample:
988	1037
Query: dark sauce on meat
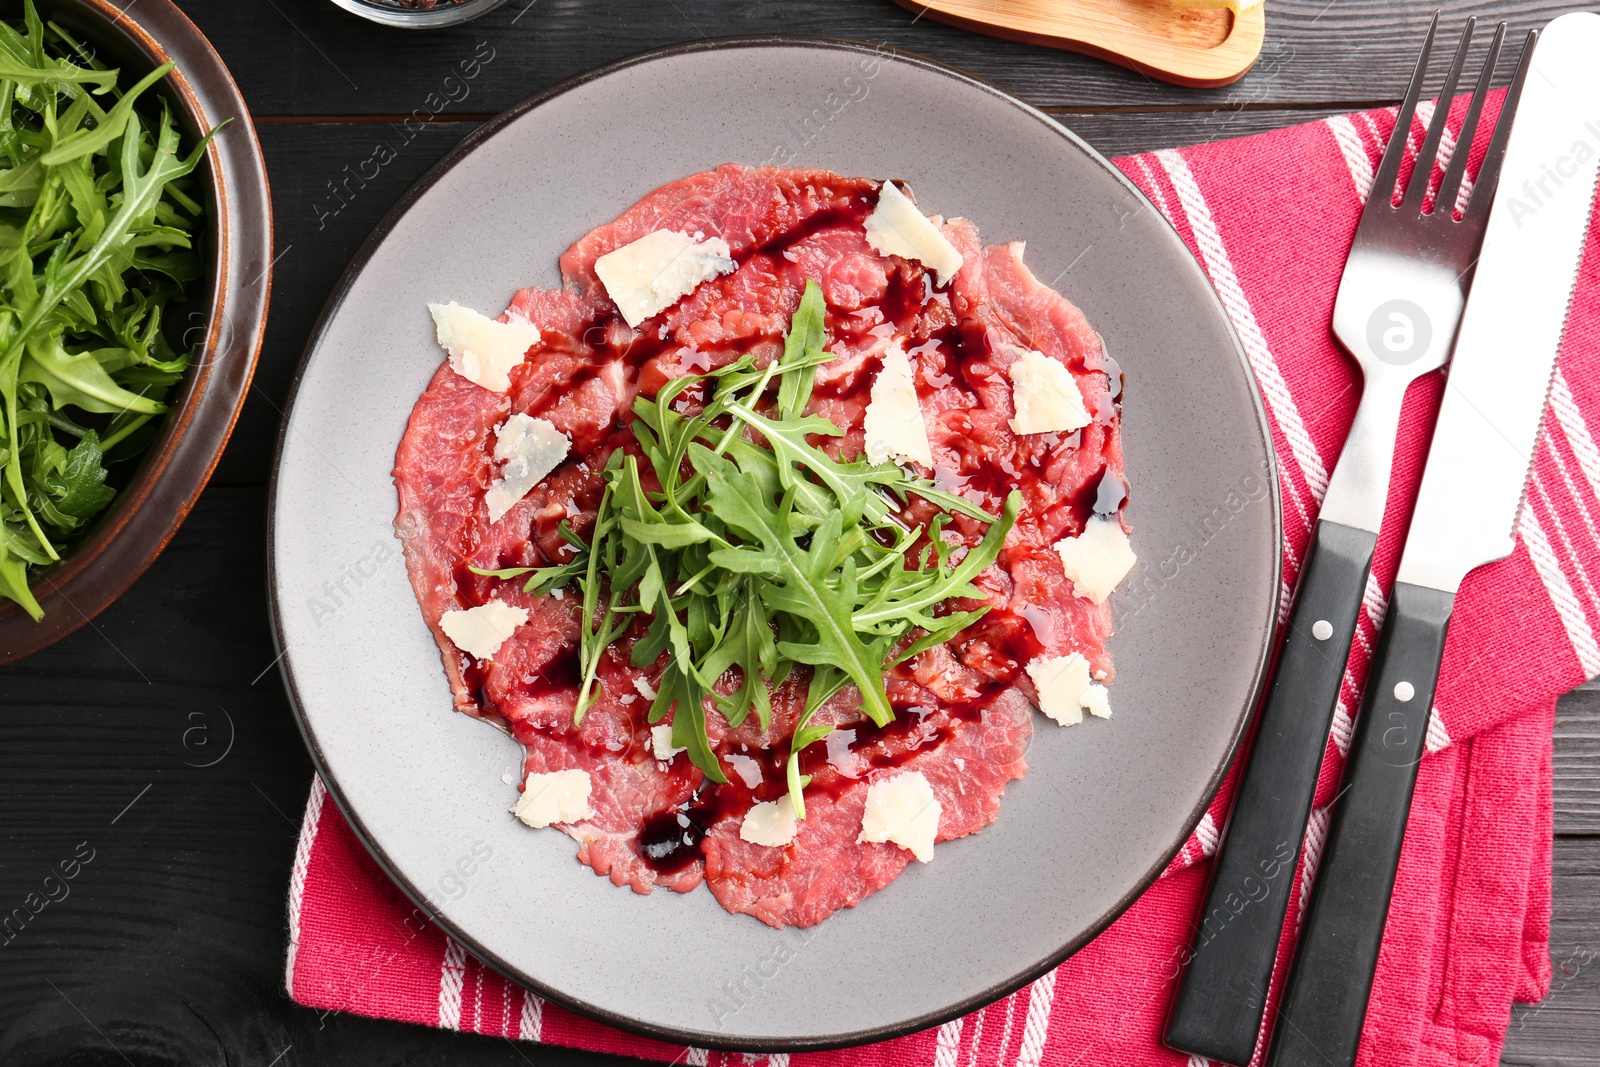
995	649
670	840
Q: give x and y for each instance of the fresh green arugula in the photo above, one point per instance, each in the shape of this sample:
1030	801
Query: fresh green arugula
96	235
759	552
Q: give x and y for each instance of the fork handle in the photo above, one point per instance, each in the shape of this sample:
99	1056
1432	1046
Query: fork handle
1325	1001
1223	991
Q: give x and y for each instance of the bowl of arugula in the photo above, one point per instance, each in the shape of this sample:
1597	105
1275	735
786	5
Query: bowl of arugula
135	256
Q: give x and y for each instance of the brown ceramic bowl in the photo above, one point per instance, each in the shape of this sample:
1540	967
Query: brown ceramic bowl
154	498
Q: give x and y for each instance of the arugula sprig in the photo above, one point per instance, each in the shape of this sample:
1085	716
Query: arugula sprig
744	550
96	234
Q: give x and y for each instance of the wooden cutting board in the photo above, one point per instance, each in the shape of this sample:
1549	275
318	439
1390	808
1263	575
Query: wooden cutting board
1185	46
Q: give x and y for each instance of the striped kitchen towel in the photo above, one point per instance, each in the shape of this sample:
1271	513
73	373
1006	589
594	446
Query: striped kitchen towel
1270	218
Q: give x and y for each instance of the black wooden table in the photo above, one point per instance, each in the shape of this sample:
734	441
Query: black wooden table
160	737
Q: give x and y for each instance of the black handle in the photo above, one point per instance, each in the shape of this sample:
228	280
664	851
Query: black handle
1223	994
1325	1001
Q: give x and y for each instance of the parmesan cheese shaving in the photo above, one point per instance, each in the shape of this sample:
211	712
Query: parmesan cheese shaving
530	449
897	228
893	423
648	276
480	631
482	350
556	797
1098	558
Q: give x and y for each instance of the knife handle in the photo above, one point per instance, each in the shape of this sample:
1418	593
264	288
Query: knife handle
1223	993
1325	1001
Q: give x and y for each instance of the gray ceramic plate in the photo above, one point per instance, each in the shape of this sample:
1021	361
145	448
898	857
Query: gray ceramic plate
1106	804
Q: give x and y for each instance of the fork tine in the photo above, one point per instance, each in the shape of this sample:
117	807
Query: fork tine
1422	173
1389	167
1469	129
1482	197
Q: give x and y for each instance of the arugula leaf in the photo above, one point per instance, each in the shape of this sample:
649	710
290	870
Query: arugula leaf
74	490
807	334
759	553
96	238
78	379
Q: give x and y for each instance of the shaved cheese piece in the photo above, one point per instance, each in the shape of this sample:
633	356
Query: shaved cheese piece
530	449
902	810
1097	699
559	796
897	228
1065	690
661	742
771	824
480	631
893	423
650	275
746	767
482	350
1046	397
642	684
1098	558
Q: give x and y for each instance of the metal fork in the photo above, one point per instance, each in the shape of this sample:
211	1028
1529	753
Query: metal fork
1399	303
1406	279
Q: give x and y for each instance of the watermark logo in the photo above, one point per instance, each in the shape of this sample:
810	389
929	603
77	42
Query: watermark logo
347	585
1535	193
800	132
456	882
53	889
454	89
205	748
1399	332
1139	589
738	991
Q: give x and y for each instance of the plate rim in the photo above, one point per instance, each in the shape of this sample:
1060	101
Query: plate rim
710	1040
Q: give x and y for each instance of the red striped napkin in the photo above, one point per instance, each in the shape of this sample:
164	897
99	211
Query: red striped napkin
1270	218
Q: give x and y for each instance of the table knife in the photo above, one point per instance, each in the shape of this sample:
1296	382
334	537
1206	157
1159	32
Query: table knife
1466	515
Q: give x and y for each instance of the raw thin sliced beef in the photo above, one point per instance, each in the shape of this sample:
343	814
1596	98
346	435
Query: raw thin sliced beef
826	869
962	713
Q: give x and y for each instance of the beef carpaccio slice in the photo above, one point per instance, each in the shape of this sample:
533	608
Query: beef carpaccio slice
962	711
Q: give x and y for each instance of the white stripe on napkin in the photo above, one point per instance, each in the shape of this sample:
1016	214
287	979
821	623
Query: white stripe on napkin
1036	1025
531	1023
451	976
977	1036
1575	556
1576	431
1560	591
297	877
1311	850
1591	549
1005	1035
1206	834
1343	723
1354	151
947	1044
1437	737
1220	266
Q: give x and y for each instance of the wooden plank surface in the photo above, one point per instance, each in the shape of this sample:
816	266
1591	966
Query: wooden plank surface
325	62
161	737
1564	1029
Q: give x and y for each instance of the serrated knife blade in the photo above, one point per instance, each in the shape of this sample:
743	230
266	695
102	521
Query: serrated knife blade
1510	332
